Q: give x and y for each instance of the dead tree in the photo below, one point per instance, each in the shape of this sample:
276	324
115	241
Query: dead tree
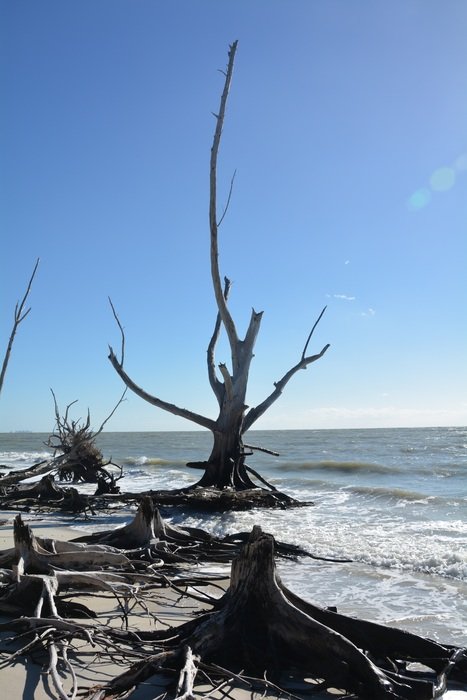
76	455
19	316
226	466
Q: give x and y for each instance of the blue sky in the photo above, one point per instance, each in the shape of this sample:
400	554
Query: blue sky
347	126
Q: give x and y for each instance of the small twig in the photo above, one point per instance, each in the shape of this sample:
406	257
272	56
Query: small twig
311	332
228	198
121	331
121	399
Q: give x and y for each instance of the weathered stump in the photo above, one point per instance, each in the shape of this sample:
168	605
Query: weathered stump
149	535
260	627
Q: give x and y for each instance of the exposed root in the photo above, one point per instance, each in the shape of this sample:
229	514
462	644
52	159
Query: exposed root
257	627
257	633
149	536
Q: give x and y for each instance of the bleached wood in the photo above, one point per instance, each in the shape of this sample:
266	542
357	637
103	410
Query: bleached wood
19	316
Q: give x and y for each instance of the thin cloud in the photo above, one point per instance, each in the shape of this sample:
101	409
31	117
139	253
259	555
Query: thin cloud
369	312
345	297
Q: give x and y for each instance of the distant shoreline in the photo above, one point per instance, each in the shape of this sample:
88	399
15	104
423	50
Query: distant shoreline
257	430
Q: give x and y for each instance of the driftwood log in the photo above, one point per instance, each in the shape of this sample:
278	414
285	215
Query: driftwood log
15	477
46	493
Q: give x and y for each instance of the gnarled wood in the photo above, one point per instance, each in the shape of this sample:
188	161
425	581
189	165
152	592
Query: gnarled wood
78	458
262	628
148	536
31	557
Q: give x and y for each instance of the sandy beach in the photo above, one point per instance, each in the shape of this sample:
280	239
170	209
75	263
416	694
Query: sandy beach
26	680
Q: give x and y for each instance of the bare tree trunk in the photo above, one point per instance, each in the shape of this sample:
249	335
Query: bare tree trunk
226	465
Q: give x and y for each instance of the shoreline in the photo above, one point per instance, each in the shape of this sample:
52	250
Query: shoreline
25	679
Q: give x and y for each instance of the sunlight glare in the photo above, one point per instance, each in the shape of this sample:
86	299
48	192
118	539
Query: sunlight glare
419	199
443	179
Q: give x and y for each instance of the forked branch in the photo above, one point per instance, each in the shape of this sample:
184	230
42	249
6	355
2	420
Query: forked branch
311	332
19	316
216	385
255	413
154	400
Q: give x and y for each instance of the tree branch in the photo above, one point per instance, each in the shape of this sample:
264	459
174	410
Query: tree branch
121	399
311	332
227	380
19	316
228	200
130	384
216	385
170	407
261	449
252	333
122	358
227	319
255	413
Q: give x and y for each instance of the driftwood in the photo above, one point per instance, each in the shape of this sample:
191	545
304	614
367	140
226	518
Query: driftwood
45	493
78	459
37	586
221	500
18	475
44	490
257	633
149	536
37	568
260	629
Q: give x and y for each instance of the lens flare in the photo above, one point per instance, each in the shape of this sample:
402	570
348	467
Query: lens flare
419	199
442	179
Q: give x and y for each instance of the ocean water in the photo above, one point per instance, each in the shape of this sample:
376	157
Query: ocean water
392	500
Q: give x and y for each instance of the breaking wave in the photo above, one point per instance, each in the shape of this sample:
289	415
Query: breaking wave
335	466
151	462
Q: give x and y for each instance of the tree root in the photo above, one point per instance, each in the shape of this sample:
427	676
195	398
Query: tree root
149	536
257	632
262	628
221	500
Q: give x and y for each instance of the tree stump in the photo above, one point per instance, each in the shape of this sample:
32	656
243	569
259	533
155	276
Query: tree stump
260	627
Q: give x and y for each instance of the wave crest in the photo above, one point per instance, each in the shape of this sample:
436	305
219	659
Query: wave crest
337	466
